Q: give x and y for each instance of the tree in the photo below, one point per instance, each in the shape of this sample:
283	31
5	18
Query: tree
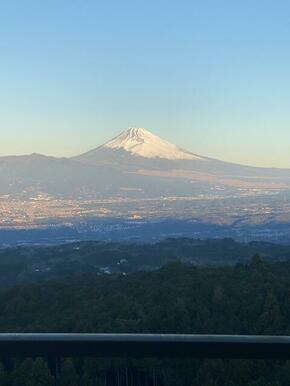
257	265
22	372
271	316
85	380
40	374
4	376
68	374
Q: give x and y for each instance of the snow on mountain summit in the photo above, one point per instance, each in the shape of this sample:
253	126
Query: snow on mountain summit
141	142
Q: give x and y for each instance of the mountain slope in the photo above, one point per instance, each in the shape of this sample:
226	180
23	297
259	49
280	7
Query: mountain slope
135	145
145	144
29	175
139	150
134	163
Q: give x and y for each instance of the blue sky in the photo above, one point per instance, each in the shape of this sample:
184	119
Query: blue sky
211	76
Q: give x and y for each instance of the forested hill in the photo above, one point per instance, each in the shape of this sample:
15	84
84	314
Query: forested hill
240	299
30	264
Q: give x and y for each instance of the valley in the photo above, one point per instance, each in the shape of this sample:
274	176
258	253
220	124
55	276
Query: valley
138	180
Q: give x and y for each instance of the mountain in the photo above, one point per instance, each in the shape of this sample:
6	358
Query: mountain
136	179
142	143
137	150
29	175
135	163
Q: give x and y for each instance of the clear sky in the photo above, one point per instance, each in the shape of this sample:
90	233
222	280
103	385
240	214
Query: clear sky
211	75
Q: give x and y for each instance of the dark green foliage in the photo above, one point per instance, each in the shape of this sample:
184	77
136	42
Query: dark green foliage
40	374
32	373
68	375
250	299
32	264
22	373
4	376
85	380
240	299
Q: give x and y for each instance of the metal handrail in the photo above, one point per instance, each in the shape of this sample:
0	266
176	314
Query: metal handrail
145	345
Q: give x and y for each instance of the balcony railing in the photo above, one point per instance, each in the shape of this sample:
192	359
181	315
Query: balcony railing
144	346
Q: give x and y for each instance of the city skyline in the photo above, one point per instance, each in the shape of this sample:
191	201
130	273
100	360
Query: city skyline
213	78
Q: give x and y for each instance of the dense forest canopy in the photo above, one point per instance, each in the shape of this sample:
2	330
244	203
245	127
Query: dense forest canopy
250	298
30	264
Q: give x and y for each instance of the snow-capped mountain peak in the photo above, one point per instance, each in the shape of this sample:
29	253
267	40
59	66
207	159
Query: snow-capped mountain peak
141	142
